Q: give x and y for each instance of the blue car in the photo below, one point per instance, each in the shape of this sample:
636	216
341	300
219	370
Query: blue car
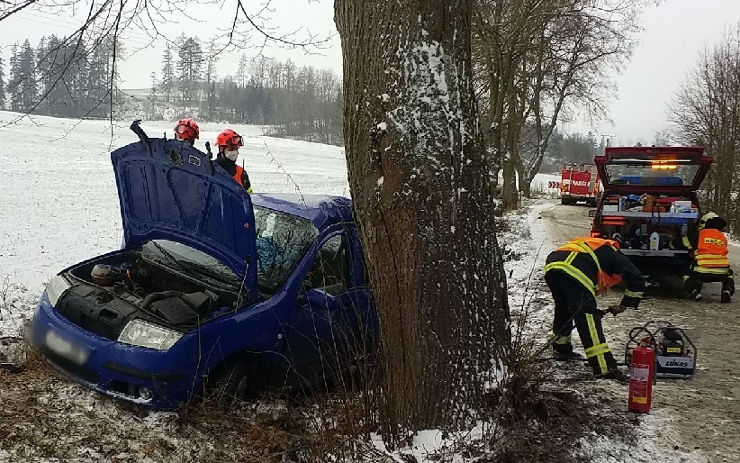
214	290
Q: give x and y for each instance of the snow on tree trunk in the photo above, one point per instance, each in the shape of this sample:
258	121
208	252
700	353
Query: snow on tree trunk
423	201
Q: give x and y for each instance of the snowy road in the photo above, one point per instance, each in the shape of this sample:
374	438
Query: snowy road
697	419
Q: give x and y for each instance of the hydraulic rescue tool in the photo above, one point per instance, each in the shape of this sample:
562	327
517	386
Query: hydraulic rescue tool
675	354
656	350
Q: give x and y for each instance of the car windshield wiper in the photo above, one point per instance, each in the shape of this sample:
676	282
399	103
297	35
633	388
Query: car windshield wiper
169	256
210	272
201	270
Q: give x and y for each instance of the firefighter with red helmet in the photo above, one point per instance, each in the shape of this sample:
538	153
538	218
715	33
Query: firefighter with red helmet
187	130
228	143
710	263
576	273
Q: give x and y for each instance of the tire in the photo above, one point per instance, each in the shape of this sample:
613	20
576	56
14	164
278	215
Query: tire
565	201
232	384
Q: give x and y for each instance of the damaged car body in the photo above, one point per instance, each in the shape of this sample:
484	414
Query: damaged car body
213	291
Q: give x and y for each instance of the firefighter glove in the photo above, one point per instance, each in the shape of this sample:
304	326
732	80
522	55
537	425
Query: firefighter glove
616	309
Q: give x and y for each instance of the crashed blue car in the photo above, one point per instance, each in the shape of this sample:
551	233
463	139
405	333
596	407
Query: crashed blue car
213	292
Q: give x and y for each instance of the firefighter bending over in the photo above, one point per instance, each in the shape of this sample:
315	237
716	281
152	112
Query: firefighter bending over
575	273
710	263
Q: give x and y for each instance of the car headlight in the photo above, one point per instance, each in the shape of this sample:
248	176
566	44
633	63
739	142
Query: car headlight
144	334
56	287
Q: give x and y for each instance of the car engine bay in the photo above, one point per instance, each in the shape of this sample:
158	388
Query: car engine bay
108	293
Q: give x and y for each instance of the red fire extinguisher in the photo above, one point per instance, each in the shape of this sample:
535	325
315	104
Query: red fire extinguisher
642	374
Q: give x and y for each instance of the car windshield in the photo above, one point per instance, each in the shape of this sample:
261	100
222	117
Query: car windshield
184	258
662	172
282	240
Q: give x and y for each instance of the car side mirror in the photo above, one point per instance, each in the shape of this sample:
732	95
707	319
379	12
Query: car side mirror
321	300
592	212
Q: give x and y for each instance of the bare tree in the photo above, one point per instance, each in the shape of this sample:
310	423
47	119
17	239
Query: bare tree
706	111
534	58
422	198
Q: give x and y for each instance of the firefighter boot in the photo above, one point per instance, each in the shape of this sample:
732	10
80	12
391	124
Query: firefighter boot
614	374
728	288
566	355
695	294
562	349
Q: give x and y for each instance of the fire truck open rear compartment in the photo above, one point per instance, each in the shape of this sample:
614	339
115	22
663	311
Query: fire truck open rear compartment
650	203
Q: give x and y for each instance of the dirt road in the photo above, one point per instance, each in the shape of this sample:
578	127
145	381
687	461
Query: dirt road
703	412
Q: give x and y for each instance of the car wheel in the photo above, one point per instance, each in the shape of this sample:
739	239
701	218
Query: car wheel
565	201
232	385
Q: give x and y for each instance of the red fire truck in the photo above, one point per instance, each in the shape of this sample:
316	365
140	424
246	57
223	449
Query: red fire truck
579	182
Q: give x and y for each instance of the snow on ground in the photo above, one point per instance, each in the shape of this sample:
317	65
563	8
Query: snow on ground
59	206
655	437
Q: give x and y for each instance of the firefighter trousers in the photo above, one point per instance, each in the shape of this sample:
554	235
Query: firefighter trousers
575	305
694	280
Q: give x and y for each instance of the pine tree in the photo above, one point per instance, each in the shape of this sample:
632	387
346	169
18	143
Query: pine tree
27	66
154	85
189	68
98	82
168	73
50	64
13	78
22	81
2	83
241	72
210	80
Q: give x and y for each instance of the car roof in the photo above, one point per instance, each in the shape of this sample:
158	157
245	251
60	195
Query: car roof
322	210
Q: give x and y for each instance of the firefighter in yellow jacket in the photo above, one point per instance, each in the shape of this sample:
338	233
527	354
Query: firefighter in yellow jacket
576	273
710	263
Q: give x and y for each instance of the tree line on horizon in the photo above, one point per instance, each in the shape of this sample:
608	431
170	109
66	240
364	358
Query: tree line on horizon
59	77
64	78
302	102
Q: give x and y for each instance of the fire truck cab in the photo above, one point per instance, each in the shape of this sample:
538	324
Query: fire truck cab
579	182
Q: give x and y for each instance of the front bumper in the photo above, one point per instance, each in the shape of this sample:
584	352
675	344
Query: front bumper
152	378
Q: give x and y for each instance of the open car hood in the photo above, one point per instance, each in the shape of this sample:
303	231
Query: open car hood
170	190
644	169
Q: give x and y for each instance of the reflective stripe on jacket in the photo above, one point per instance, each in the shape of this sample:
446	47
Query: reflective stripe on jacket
711	250
597	264
587	245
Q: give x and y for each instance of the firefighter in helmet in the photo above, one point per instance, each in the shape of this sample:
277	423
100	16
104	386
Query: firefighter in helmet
709	263
576	273
228	143
187	130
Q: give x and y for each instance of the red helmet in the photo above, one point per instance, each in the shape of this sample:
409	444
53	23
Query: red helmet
187	129
229	138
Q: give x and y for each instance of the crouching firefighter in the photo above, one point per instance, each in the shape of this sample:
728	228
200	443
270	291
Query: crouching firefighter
575	273
710	263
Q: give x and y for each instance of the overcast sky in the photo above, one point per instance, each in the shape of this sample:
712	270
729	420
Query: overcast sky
674	33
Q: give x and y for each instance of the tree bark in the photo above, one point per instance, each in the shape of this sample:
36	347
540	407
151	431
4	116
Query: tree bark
422	199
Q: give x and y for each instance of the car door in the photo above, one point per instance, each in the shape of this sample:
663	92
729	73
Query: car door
330	307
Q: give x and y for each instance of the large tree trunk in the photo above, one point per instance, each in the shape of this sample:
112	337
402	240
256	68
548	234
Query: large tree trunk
423	203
